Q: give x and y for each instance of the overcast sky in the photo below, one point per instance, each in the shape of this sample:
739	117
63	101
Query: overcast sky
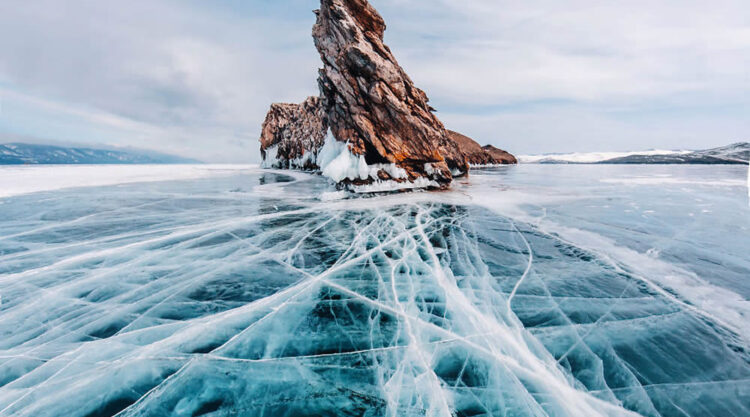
195	78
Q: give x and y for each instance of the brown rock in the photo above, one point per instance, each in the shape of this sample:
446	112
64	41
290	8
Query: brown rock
381	126
293	134
475	154
370	101
500	155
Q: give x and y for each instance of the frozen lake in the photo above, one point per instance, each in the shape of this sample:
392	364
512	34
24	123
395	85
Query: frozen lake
533	290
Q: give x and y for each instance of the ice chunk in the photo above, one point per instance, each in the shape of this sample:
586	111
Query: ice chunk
339	164
389	186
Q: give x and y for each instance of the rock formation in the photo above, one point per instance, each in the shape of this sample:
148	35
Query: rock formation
293	134
371	126
500	155
477	155
370	101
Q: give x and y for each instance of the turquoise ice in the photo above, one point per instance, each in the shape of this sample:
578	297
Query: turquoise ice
525	291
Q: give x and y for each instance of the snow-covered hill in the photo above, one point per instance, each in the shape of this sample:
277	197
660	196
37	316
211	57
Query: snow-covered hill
738	153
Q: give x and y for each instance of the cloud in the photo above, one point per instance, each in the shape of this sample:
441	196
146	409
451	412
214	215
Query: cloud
196	78
588	51
572	128
581	75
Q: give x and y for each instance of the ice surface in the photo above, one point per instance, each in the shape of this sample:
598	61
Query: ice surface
269	294
17	180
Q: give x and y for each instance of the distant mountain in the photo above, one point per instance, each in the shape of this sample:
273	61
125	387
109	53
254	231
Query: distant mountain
738	153
22	154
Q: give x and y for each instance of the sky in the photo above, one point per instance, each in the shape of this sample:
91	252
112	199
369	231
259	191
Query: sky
195	78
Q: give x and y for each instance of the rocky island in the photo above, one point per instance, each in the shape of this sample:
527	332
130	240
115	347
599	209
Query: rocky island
371	129
477	155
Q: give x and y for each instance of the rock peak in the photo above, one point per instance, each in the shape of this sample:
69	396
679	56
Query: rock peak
380	126
371	102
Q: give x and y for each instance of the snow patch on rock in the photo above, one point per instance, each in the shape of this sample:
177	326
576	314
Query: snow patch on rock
429	169
271	159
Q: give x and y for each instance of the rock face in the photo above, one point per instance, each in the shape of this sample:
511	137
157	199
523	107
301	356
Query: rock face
371	128
500	155
370	101
293	134
475	154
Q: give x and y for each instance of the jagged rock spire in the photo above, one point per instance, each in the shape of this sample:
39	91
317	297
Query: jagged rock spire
371	102
382	128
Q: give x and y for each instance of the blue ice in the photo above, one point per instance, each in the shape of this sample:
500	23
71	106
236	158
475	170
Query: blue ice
526	291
